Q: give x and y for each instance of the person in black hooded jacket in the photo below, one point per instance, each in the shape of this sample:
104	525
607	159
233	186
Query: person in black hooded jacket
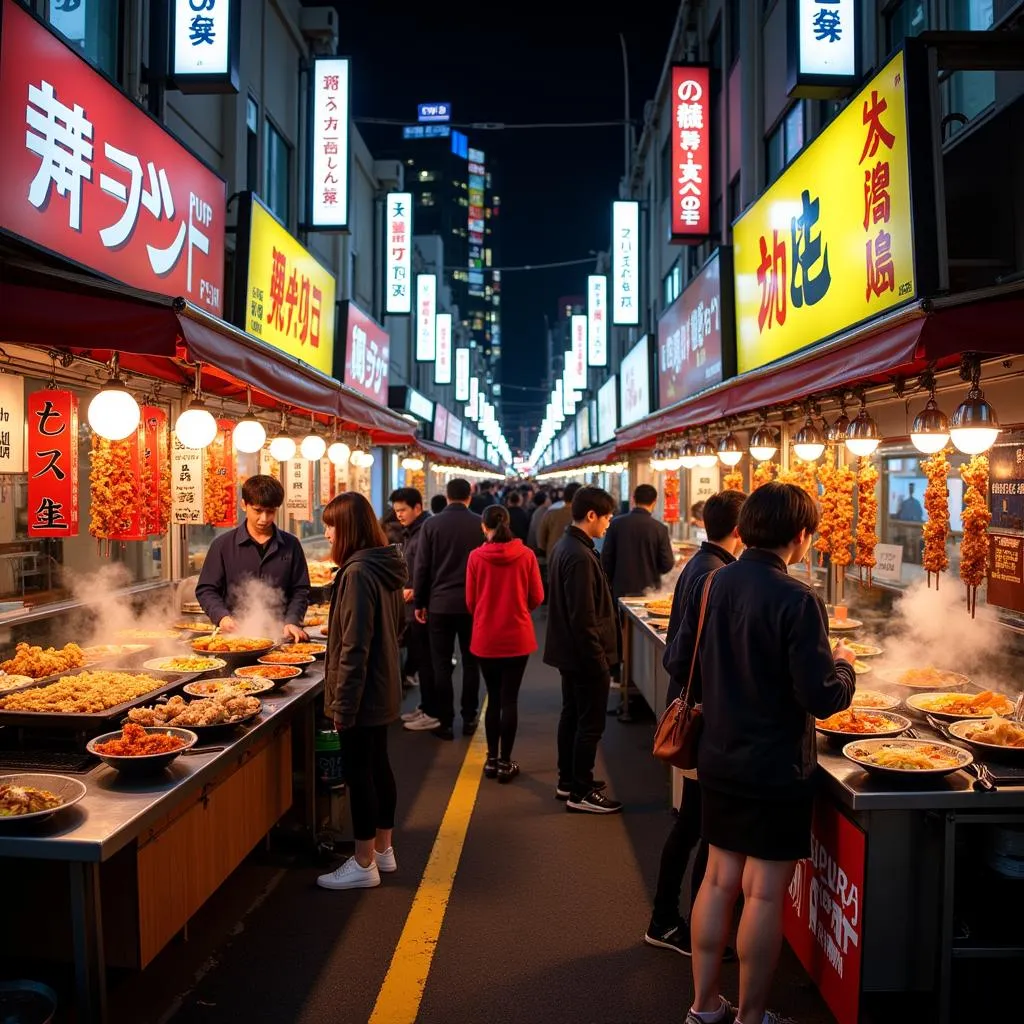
362	679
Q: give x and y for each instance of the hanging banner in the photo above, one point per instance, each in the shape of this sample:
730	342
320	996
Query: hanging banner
691	152
597	320
298	492
671	488
156	471
327	480
12	423
578	364
219	483
205	45
822	48
443	349
327	180
462	374
398	258
186	483
52	463
426	313
626	262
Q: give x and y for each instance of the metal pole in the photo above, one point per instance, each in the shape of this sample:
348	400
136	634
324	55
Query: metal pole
625	126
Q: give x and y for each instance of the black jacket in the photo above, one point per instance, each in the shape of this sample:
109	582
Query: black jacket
637	552
519	521
583	629
708	558
482	500
764	673
441	558
410	546
362	678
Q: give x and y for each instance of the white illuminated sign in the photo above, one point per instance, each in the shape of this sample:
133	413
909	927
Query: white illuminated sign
626	262
635	384
607	410
568	393
202	41
329	158
823	47
443	349
597	320
419	405
398	259
474	396
426	318
462	385
578	362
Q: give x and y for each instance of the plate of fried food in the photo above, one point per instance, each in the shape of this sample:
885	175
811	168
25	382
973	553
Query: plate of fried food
146	633
235	650
282	656
955	706
108	652
205	714
321	574
138	750
308	649
276	674
196	626
90	692
854	722
907	758
316	615
182	663
994	738
927	678
33	796
30	660
227	685
860	650
842	625
874	700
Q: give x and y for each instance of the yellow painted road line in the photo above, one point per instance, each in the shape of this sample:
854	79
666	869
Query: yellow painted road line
398	1001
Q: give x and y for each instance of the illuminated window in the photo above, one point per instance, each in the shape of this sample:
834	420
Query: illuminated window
426	176
426	199
487	257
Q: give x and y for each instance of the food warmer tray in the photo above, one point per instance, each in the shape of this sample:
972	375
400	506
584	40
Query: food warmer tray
94	720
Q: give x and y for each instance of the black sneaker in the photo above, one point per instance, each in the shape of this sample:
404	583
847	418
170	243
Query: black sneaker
469	727
595	802
676	937
443	732
507	771
563	790
491	768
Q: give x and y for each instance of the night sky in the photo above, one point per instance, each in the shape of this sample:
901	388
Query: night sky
500	62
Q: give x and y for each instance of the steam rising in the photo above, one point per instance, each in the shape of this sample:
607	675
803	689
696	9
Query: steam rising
257	608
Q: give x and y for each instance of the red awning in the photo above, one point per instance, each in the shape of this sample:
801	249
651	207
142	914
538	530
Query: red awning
445	456
902	344
601	455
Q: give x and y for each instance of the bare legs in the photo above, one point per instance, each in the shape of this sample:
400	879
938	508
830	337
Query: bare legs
709	927
365	847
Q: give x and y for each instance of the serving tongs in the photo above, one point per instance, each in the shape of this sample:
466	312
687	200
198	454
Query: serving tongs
981	773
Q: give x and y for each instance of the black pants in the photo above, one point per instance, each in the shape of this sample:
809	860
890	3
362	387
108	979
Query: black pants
580	728
371	783
675	856
443	631
417	642
503	677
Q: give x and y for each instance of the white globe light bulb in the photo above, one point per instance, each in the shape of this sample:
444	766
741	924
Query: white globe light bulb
338	453
113	413
282	448
862	446
196	427
249	435
313	447
810	452
974	440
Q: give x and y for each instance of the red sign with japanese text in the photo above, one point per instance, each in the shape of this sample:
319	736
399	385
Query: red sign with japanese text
367	355
90	176
52	464
823	916
691	152
156	471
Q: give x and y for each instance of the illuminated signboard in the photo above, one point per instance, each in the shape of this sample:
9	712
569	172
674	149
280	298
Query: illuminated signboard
285	296
583	428
597	320
440	431
607	410
426	318
462	375
443	349
204	45
691	152
429	112
578	362
367	354
832	242
626	262
398	248
426	131
329	154
635	383
823	47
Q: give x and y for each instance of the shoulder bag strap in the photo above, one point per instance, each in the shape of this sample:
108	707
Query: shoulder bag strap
700	629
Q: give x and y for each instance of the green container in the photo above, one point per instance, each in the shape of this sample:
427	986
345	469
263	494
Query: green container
327	751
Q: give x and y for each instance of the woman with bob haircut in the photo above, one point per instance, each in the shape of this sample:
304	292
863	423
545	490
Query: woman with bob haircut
362	679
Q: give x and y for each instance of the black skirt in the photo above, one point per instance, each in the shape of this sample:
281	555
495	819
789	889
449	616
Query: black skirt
757	827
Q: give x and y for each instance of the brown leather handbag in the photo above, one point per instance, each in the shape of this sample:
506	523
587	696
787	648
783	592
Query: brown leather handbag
679	728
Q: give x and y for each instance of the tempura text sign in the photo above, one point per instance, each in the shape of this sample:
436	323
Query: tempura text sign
328	163
823	47
205	45
597	320
398	253
285	295
89	176
626	262
52	463
367	354
691	152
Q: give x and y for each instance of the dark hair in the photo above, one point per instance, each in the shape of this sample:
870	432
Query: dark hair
263	492
645	494
590	499
525	488
570	490
515	498
407	496
458	489
355	526
496	518
774	515
438	503
697	510
722	513
540	497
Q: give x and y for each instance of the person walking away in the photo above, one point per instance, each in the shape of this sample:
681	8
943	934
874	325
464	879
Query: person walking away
502	587
637	549
667	929
437	504
554	524
439	586
583	644
519	521
483	498
362	684
763	673
540	507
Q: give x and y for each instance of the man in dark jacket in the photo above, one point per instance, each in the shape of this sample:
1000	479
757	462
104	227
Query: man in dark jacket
483	498
519	521
637	551
440	599
583	644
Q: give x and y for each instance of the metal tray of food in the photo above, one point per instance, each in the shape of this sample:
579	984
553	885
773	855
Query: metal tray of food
80	721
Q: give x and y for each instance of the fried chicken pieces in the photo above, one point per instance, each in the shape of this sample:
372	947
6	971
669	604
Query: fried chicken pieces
867	518
37	663
184	714
936	507
976	517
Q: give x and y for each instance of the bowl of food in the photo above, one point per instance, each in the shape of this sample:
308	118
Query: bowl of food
276	674
113	652
845	725
235	650
859	650
907	759
185	663
874	700
33	796
926	678
993	739
230	686
139	750
956	706
204	715
308	649
285	657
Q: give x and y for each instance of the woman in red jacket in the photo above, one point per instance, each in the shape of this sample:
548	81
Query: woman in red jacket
502	587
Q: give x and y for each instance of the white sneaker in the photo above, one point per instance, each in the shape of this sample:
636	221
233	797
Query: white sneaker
351	875
422	724
411	716
386	861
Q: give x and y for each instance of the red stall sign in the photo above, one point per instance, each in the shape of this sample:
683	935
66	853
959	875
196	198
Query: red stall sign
671	513
156	470
691	152
367	354
88	175
823	916
52	464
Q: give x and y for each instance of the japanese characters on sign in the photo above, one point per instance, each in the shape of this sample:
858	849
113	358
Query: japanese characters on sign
328	480
696	344
12	423
462	374
597	320
1006	571
367	355
52	463
287	294
1006	484
625	262
830	243
607	410
205	45
426	318
398	253
89	176
635	384
443	349
691	152
823	47
704	481
328	162
187	491
298	489
578	363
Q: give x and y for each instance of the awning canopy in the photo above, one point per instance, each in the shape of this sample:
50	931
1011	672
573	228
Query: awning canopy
445	456
903	344
158	337
600	456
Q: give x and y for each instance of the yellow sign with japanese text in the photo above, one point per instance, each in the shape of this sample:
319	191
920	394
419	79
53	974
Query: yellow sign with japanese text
289	296
831	242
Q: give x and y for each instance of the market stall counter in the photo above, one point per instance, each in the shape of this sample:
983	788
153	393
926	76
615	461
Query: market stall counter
131	862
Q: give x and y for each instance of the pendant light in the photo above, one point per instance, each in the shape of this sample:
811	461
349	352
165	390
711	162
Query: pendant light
688	456
412	461
196	427
657	459
809	443
706	454
673	457
339	452
282	447
862	436
975	426
836	434
764	443
729	450
313	445
249	434
113	412
930	432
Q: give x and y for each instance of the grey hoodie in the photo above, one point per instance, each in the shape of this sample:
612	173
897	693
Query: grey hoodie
362	681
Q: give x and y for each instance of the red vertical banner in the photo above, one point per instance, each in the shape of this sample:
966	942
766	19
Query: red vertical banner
156	471
52	464
671	498
219	478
